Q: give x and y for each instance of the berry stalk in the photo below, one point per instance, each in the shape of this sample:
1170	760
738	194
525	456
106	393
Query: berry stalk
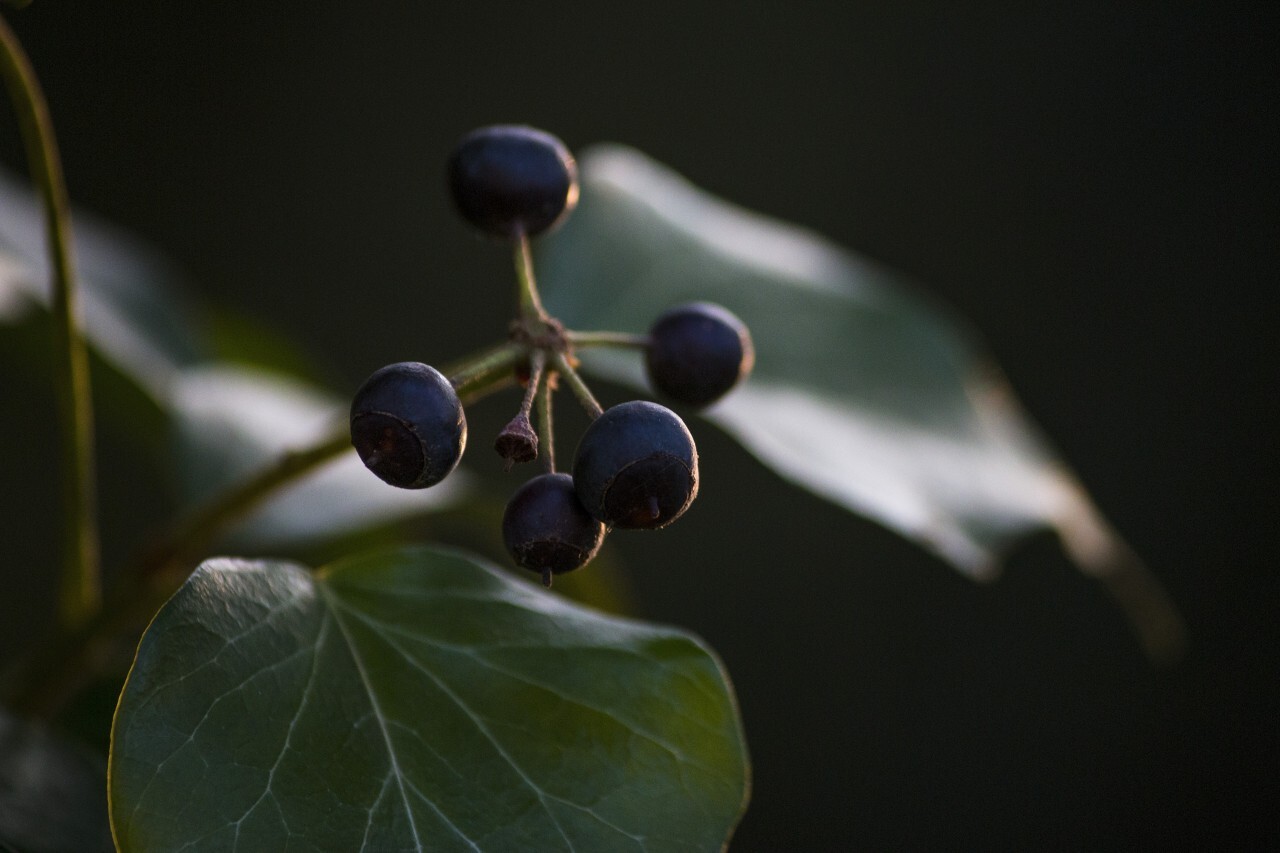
622	340
546	435
478	374
578	386
526	283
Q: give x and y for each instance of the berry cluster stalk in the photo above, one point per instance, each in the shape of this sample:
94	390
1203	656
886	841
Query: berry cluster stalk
526	284
546	433
80	587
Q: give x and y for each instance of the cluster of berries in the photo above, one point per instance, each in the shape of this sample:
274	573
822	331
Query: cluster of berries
636	465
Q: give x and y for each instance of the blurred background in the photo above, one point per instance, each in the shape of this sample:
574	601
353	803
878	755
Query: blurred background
1092	186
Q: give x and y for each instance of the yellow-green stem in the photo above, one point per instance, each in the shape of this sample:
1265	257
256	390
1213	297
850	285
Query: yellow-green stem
478	370
546	436
583	340
204	526
526	283
80	586
579	388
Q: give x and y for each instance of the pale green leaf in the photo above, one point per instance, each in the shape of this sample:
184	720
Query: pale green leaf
865	391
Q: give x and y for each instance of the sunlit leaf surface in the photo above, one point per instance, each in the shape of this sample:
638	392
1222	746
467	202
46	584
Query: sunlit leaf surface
865	391
417	700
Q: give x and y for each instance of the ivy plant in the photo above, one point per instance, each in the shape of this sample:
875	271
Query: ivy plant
419	697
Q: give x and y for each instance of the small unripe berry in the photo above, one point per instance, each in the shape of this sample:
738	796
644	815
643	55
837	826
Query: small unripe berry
636	466
507	180
697	353
517	442
546	530
408	426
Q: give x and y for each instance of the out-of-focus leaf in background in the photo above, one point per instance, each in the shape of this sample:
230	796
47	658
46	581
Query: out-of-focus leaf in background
865	391
52	796
417	699
223	419
133	314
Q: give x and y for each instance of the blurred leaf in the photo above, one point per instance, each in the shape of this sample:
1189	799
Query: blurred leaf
52	796
120	403
229	421
243	339
160	379
417	700
864	391
131	310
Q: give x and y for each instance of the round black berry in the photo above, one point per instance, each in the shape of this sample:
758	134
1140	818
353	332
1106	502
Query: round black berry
546	529
507	180
697	353
407	425
636	466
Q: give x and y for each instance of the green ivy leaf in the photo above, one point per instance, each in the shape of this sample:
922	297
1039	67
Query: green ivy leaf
51	793
865	391
416	700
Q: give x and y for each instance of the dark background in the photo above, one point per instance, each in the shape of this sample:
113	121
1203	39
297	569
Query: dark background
1092	187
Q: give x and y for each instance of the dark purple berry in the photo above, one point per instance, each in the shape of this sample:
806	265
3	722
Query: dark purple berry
697	353
507	180
636	466
408	426
546	529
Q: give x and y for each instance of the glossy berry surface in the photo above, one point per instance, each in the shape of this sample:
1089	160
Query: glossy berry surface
636	466
545	528
508	179
697	353
408	426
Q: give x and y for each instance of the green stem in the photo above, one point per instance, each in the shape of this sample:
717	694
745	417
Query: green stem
546	437
80	586
580	389
584	340
202	527
479	371
526	283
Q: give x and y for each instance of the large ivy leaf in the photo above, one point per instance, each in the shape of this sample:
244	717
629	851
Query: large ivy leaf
864	390
416	700
51	793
